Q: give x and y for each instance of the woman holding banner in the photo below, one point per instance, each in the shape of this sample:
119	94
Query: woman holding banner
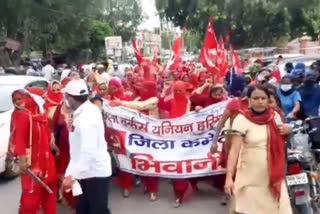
258	150
217	94
116	95
147	103
178	106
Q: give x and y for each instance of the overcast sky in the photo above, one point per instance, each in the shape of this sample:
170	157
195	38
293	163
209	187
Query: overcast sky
152	20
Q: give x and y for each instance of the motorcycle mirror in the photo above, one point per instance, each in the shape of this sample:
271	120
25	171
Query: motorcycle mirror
298	123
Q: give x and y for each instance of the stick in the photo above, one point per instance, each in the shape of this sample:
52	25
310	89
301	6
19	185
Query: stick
38	180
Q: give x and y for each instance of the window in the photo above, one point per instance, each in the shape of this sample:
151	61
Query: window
38	84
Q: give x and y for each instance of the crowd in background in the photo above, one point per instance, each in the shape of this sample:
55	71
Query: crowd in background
164	92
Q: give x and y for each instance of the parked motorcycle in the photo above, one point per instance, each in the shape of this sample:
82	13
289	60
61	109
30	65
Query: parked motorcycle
302	159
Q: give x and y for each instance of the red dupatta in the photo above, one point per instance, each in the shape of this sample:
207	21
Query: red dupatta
179	104
29	130
275	148
119	94
53	98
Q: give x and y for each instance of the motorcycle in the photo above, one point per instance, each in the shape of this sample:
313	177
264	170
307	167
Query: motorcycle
304	190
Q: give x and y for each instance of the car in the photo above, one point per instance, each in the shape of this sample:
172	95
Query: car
273	59
9	84
307	60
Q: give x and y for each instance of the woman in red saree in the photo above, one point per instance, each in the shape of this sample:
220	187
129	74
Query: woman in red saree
116	93
147	103
30	141
116	90
60	134
53	96
178	106
217	94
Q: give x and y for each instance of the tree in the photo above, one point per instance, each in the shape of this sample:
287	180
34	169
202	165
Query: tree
57	26
124	17
98	31
252	22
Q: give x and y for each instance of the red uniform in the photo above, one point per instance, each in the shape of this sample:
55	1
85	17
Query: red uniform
30	136
177	107
61	134
116	91
147	91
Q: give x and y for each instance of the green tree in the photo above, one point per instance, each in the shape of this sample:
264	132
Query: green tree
252	22
98	31
124	17
57	26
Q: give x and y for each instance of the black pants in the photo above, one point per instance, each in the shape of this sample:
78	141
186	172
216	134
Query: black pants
94	199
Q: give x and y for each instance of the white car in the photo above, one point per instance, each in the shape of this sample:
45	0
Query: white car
8	84
307	60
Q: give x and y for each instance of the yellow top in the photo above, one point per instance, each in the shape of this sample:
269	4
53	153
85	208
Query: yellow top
252	193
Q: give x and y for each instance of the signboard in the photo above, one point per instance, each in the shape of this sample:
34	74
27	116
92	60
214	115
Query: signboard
113	42
171	148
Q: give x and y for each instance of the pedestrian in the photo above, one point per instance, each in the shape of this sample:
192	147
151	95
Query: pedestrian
48	71
290	98
256	161
116	92
30	141
310	95
178	106
217	94
53	95
102	90
90	163
147	104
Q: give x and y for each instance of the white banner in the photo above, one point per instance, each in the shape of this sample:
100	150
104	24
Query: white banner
172	148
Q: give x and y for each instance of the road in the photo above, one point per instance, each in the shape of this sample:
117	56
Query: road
205	201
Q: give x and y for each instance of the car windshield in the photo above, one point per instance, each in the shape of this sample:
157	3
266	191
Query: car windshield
5	96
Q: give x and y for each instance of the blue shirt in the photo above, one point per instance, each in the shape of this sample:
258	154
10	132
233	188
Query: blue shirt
288	101
310	100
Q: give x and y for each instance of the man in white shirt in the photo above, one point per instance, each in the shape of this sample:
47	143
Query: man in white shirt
65	71
102	76
116	71
48	71
90	163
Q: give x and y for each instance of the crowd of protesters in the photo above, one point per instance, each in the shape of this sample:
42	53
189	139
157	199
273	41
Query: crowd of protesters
52	132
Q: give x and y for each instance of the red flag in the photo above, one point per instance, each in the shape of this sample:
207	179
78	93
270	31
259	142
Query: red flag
222	59
276	74
137	52
235	59
208	54
177	45
175	60
155	57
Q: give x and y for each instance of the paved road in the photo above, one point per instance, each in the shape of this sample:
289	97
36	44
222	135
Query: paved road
206	201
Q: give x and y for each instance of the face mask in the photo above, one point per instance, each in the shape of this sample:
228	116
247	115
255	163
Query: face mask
67	103
18	107
286	87
90	85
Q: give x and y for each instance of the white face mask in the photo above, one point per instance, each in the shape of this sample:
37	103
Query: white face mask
286	87
67	103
